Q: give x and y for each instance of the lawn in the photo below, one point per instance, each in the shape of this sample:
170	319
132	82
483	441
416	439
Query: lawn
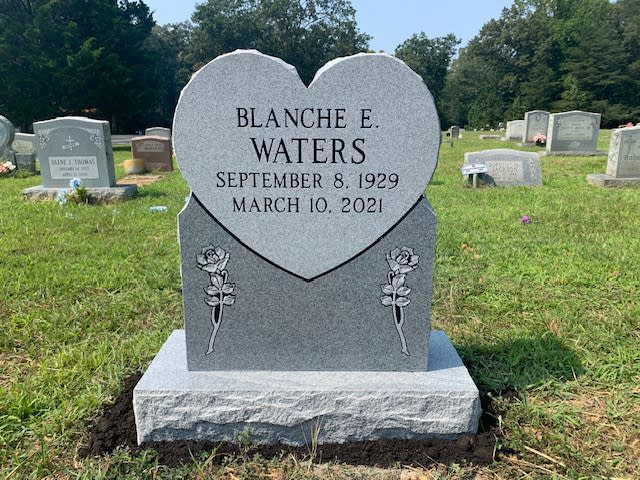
544	314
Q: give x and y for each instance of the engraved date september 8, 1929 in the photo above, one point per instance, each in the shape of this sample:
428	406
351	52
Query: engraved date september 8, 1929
356	192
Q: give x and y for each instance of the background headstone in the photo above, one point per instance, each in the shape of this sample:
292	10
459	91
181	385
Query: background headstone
154	150
158	132
536	123
7	132
573	132
306	256
506	167
75	147
515	130
623	164
25	152
454	132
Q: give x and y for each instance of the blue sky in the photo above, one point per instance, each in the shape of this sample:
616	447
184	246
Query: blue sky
389	22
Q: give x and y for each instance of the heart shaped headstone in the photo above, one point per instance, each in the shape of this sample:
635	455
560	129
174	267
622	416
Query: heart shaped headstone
307	178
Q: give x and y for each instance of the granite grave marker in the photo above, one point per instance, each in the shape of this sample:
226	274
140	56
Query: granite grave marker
76	147
536	123
507	167
7	132
573	133
158	132
25	152
623	164
515	130
307	251
154	150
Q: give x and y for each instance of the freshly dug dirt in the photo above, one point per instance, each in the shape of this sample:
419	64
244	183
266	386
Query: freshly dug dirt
116	428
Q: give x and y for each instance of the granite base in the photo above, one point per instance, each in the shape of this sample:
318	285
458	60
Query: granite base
603	180
99	195
294	407
597	153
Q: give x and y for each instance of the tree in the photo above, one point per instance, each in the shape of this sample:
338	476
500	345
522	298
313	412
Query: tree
73	57
429	58
304	33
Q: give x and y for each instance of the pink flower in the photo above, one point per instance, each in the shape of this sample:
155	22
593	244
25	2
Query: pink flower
524	219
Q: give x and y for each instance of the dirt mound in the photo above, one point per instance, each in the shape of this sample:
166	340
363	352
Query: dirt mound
116	428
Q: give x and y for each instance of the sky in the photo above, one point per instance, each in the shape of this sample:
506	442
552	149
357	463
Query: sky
389	22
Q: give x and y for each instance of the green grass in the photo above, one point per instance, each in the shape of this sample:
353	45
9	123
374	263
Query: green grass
549	310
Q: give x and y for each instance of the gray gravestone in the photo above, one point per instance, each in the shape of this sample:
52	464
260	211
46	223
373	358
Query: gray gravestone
154	150
7	132
536	123
573	133
623	165
454	132
158	132
515	130
76	147
25	152
506	167
306	245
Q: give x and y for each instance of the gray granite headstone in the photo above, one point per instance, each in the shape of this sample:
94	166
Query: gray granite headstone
307	251
158	132
75	147
311	185
536	123
454	131
573	132
24	143
515	130
154	150
7	132
506	167
623	165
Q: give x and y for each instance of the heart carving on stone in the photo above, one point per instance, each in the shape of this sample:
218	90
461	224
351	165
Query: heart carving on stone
306	177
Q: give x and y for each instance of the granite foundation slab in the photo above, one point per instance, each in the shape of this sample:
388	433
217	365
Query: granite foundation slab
172	403
99	194
603	180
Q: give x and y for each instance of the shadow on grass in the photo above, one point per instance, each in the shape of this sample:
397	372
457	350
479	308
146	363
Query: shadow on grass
516	364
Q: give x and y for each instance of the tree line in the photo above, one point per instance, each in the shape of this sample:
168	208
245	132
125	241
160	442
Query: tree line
109	59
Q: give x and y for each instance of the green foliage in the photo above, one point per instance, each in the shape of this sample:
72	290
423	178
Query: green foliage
549	54
429	58
305	33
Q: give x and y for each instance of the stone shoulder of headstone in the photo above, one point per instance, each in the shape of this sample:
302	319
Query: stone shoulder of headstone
158	131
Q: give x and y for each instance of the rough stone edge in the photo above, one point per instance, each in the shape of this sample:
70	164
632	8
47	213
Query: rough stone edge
100	195
171	403
603	180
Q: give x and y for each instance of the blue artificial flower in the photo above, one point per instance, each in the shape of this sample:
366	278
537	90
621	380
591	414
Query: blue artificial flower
75	183
62	196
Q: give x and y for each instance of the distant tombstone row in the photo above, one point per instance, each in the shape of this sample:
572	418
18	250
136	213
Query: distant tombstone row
76	147
623	164
505	167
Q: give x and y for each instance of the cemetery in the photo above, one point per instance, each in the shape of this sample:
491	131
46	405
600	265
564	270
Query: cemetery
320	274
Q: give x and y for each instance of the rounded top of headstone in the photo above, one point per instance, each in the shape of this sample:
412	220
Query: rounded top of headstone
7	133
362	140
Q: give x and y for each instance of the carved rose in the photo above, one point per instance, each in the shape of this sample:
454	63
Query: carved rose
402	260
212	259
